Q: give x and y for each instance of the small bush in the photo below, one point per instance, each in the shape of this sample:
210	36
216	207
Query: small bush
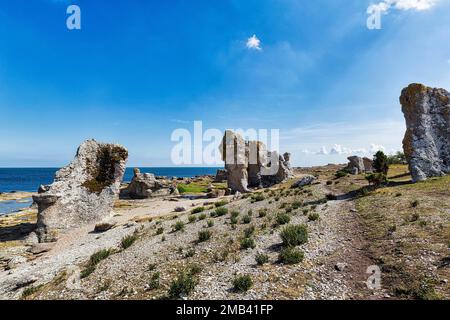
198	210
262	213
178	226
154	282
415	203
192	218
247	243
341	174
294	235
94	260
204	235
291	255
159	231
220	212
313	216
183	285
305	211
221	203
329	183
261	258
233	220
296	205
128	241
190	253
210	223
235	214
242	283
195	269
248	232
258	197
202	216
376	179
283	218
246	219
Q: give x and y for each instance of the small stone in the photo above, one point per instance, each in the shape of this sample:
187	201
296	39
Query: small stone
340	266
39	248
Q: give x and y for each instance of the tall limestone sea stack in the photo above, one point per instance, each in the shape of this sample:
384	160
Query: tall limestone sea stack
83	192
427	139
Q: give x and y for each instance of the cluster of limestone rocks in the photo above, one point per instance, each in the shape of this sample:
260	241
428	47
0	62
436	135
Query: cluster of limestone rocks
146	185
359	165
84	191
249	164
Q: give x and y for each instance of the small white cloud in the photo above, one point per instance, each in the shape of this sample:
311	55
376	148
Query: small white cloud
253	43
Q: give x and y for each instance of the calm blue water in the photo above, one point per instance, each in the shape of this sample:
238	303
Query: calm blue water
29	179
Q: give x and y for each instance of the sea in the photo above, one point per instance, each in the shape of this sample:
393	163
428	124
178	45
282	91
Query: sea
29	180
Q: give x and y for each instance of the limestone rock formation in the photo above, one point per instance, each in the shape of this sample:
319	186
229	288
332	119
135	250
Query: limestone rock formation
359	165
82	192
427	139
146	185
250	165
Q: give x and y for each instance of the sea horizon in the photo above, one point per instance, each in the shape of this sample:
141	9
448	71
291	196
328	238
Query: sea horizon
28	179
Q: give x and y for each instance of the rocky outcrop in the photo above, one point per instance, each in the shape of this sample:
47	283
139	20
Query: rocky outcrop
146	185
304	181
427	139
82	192
250	165
358	165
221	175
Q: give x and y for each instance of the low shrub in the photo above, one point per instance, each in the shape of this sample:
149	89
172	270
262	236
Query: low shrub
242	283
198	210
247	243
291	255
248	232
192	218
220	212
202	216
204	235
246	219
221	203
283	218
313	216
294	235
178	226
210	223
127	241
182	285
261	258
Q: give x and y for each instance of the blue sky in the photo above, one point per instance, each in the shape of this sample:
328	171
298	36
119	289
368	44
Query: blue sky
137	70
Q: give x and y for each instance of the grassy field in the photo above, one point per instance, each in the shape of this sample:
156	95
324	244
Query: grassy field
408	229
199	186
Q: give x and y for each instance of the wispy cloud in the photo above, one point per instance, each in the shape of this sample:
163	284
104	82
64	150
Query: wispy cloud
253	43
386	5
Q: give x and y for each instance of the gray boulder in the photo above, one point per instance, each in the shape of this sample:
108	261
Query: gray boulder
304	181
427	139
82	192
146	185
